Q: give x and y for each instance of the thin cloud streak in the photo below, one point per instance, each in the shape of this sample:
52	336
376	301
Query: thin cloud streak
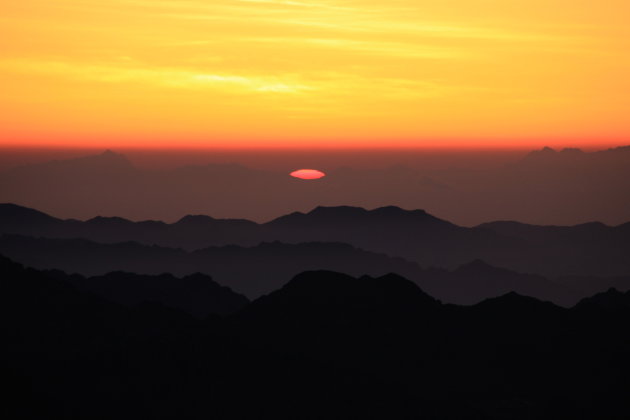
165	77
408	68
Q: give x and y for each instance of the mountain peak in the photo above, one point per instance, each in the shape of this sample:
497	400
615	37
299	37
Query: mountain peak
195	219
516	303
348	218
105	160
611	300
14	215
332	288
109	156
545	152
547	155
572	150
110	153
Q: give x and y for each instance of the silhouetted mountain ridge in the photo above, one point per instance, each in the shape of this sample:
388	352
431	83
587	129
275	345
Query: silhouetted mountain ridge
326	342
196	294
12	214
611	301
513	303
261	269
330	217
414	235
250	270
324	288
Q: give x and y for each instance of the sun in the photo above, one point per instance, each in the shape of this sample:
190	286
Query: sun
308	174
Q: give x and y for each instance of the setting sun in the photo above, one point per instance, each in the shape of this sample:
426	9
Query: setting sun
307	174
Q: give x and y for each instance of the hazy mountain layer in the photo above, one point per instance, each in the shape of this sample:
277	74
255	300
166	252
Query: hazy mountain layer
259	270
545	187
590	249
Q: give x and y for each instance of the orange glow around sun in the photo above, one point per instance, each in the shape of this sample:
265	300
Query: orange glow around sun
323	73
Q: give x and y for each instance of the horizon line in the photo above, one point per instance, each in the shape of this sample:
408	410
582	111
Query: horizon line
319	148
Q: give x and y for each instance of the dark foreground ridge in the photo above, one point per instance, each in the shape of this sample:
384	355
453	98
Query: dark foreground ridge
326	345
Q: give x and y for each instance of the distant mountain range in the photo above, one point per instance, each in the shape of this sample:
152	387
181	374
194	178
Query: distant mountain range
261	269
591	249
250	270
545	187
324	343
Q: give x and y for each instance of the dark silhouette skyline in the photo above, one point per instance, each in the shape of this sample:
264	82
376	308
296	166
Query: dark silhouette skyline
258	270
588	249
324	343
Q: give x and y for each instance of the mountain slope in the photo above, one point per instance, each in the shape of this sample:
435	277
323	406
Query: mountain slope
258	270
588	249
196	294
325	343
250	270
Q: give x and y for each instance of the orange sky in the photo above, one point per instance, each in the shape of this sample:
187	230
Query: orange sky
232	73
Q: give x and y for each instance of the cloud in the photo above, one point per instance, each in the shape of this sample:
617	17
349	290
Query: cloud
161	77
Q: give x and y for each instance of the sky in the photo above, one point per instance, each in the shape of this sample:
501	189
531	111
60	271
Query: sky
317	74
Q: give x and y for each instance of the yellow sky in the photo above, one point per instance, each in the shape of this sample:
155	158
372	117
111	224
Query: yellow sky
302	73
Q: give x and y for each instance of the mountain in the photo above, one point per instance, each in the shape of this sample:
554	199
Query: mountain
506	346
575	156
335	317
589	285
549	156
250	270
610	302
330	294
562	185
196	294
586	249
69	354
324	343
413	235
591	249
189	232
346	217
475	281
259	270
